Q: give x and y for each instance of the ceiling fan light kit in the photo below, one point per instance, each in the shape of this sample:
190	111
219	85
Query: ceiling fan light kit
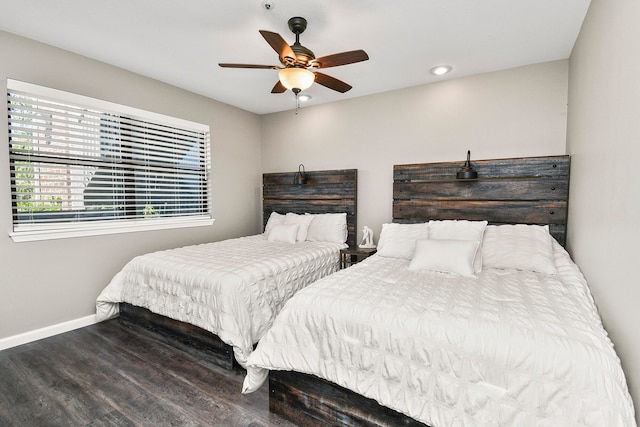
299	64
296	79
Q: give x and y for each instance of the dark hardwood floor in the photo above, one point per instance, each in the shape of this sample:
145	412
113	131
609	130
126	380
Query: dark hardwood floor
109	375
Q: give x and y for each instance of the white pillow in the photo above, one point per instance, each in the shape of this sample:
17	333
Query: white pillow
283	233
399	240
328	228
302	221
446	256
274	219
519	246
460	230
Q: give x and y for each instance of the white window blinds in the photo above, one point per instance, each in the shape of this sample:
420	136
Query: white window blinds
84	166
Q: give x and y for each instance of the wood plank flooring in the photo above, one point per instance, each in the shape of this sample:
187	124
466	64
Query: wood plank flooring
110	375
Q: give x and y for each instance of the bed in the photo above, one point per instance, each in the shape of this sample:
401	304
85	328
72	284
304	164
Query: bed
421	334
218	299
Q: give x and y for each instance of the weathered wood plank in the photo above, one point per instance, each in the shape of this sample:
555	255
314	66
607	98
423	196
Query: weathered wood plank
307	400
548	166
559	232
497	212
333	176
309	191
483	189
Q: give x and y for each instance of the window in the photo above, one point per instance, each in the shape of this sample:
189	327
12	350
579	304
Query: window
81	166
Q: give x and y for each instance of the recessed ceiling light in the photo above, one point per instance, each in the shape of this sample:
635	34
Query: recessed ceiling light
441	70
304	98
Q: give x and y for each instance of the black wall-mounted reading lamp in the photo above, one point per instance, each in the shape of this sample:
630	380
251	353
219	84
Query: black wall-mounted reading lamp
467	171
300	178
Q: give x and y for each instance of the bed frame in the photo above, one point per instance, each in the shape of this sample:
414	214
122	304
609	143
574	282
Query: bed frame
532	190
529	190
329	191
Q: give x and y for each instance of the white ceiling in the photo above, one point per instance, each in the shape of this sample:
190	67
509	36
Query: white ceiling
181	42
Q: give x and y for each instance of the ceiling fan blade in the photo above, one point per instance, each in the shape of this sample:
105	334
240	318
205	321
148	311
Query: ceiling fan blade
278	88
343	58
262	67
278	44
331	82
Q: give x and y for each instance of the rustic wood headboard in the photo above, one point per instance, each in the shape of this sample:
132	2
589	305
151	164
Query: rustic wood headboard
528	190
328	191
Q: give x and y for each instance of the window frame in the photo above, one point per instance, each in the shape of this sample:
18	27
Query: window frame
64	229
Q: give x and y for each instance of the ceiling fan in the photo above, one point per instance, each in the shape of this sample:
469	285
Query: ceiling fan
299	64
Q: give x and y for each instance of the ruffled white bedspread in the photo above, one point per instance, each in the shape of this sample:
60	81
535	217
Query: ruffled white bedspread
233	288
509	348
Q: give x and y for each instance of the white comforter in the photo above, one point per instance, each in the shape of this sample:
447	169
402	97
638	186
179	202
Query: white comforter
233	288
509	348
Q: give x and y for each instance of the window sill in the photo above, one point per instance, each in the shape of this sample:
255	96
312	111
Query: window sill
30	234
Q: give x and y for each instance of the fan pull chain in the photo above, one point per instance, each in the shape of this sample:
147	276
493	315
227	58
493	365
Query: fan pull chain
297	104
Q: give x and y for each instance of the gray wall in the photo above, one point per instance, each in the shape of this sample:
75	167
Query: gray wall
511	113
604	142
50	282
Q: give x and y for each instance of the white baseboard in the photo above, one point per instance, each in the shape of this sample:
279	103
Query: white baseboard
46	332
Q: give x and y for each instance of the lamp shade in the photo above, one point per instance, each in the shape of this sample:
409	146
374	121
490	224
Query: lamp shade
296	78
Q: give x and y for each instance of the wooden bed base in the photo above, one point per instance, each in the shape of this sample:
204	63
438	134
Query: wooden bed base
531	190
306	400
186	336
328	191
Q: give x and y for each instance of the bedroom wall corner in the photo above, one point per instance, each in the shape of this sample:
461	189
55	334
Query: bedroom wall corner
51	282
602	138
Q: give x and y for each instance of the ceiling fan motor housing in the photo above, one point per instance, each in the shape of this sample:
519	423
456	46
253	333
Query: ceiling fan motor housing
304	56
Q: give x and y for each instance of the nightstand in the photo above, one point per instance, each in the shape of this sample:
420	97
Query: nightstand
353	255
